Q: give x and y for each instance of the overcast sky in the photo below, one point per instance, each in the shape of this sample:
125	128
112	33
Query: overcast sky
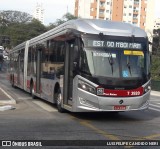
54	9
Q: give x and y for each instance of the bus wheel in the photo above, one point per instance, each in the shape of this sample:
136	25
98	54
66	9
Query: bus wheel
10	79
12	82
58	99
32	91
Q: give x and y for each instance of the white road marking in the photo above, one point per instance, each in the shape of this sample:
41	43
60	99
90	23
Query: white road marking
7	107
155	100
45	106
157	106
25	98
154	109
8	95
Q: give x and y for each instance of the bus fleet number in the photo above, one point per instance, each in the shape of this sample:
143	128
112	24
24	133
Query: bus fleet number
134	93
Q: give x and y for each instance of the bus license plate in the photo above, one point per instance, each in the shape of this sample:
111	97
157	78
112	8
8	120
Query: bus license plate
119	107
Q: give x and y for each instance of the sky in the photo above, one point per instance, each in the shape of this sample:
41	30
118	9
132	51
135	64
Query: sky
54	9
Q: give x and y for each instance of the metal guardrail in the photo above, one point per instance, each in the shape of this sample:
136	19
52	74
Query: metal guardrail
155	85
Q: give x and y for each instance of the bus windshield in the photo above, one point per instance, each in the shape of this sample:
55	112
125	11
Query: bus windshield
114	63
114	59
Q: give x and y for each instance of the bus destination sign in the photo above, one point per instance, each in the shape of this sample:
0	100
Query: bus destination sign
114	44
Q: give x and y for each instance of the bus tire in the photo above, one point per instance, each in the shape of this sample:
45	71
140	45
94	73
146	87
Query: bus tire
32	91
12	81
58	100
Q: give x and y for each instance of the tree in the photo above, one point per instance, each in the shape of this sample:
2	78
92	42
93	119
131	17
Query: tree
35	28
156	55
69	16
156	42
11	22
17	27
66	17
20	32
155	69
10	17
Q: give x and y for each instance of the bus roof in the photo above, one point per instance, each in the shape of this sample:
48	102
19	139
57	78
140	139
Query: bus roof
95	26
18	47
92	26
113	28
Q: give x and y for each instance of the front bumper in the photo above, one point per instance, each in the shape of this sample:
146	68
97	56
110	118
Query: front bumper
87	102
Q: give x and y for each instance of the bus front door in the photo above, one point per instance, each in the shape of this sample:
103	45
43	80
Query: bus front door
68	76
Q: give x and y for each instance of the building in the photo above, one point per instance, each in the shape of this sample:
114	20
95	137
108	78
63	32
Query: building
39	13
157	24
137	12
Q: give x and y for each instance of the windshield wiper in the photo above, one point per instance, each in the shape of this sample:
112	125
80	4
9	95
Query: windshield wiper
110	59
128	65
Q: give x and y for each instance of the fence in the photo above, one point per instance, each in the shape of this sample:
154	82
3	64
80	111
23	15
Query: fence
155	85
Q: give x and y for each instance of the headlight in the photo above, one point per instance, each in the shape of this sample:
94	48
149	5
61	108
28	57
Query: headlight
87	87
147	88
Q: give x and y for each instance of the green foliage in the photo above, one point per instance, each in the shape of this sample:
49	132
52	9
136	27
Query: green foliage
19	26
155	69
58	22
156	42
68	17
9	17
20	32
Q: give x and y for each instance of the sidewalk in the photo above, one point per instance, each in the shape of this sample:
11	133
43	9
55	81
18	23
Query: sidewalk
155	93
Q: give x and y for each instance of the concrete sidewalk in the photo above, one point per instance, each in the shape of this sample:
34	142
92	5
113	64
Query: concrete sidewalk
155	93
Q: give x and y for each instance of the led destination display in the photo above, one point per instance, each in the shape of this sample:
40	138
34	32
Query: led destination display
114	44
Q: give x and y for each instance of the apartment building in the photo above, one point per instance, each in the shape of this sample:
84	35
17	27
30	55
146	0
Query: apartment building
157	23
137	12
39	13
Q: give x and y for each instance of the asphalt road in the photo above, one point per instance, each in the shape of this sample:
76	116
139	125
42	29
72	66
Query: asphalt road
34	119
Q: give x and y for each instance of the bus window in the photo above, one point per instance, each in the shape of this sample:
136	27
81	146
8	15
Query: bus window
53	59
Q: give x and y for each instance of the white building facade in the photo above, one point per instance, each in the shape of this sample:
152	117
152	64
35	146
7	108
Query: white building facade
39	13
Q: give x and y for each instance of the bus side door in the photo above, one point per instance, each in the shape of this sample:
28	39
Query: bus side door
68	76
